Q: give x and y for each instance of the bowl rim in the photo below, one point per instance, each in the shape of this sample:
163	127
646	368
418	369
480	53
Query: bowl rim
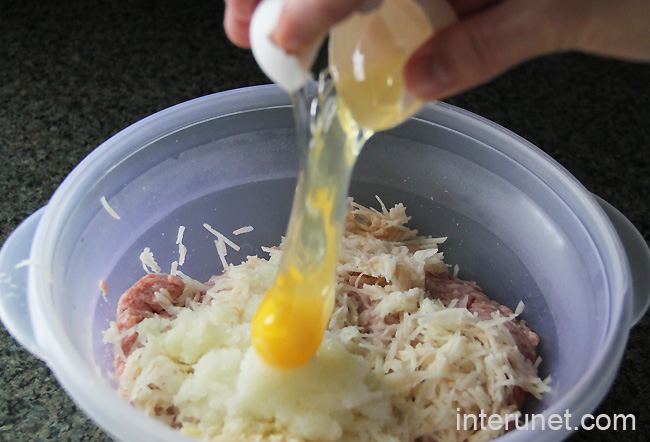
97	397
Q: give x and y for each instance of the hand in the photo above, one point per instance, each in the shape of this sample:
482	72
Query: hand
494	36
302	24
490	37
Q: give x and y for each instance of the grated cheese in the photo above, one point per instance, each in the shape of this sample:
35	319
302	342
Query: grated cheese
108	208
221	237
182	250
222	252
394	364
245	229
26	263
149	264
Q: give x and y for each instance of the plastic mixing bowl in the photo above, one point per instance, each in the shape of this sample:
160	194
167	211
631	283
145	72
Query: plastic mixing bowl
517	222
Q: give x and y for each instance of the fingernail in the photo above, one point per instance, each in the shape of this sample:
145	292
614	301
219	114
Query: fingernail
426	77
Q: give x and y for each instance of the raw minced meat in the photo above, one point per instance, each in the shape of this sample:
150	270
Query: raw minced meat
409	347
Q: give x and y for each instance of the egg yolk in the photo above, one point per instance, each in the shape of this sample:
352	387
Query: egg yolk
289	324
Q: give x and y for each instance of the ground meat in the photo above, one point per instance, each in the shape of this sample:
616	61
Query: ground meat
139	302
447	287
367	318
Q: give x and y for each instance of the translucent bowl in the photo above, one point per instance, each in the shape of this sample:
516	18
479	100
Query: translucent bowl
518	224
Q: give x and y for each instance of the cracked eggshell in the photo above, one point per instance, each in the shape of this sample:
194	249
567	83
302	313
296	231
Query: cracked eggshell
289	71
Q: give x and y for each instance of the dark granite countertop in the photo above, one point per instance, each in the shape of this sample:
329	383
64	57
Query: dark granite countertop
74	73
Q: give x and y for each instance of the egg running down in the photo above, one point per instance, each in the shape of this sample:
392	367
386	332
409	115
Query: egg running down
367	54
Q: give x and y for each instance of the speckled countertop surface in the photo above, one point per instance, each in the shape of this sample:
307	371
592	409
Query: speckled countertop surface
74	73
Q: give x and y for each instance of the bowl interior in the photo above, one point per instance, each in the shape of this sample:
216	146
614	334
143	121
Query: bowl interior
507	228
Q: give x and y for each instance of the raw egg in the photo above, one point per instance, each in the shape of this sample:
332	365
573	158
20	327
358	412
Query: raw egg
367	54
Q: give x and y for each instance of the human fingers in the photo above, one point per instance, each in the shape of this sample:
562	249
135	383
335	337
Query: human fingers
304	22
237	18
464	8
616	29
484	45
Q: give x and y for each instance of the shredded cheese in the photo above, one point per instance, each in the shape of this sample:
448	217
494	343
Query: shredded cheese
394	365
26	263
149	264
108	208
222	252
221	237
245	229
182	250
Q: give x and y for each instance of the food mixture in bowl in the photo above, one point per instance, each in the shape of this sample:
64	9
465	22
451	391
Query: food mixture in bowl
410	348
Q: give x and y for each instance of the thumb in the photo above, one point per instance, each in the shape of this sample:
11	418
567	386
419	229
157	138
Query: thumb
482	46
